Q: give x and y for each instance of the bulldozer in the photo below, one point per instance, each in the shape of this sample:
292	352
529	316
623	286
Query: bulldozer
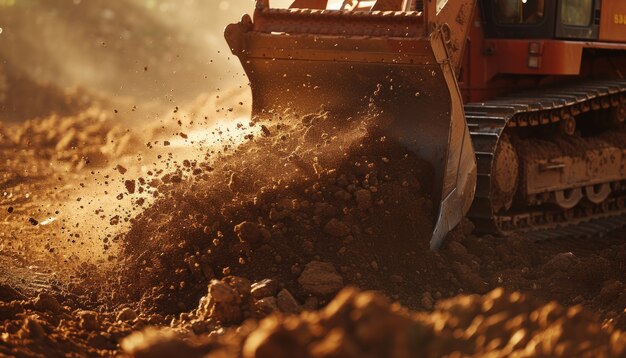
518	105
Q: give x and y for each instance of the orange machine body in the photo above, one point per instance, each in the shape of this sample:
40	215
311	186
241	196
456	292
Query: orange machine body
613	21
494	65
472	90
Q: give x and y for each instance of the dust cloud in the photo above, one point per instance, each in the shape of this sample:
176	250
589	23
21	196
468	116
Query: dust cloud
158	53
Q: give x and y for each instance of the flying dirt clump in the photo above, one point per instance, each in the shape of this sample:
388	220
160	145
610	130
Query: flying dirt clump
276	206
358	324
284	208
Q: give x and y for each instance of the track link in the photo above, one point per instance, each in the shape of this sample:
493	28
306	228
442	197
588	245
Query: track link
488	121
595	228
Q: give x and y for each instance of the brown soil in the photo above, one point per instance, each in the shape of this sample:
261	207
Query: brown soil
358	324
301	202
279	225
247	250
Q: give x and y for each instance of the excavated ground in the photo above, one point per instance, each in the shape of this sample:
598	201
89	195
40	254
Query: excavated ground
261	240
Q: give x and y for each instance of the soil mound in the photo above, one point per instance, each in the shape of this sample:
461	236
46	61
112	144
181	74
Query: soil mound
353	324
366	324
321	203
318	190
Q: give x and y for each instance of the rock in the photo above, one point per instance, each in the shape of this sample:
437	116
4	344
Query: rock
32	328
296	270
227	300
200	326
337	343
272	341
336	228
467	227
264	288
286	303
47	302
157	343
121	169
220	292
427	301
611	291
242	286
311	304
267	306
342	195
130	186
364	199
320	279
251	233
126	315
89	320
100	341
374	265
560	262
456	249
8	294
155	319
470	278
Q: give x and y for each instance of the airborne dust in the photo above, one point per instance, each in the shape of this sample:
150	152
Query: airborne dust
144	213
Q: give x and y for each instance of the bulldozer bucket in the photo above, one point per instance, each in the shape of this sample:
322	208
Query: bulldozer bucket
305	59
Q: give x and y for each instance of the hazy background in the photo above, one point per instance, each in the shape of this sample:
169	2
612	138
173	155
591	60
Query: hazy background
151	50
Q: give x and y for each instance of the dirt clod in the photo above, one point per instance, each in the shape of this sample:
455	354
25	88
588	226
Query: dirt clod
336	228
286	302
47	302
126	315
320	279
264	288
251	232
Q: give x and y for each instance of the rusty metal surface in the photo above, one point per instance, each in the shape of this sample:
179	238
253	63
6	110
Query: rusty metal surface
455	19
488	121
598	166
339	22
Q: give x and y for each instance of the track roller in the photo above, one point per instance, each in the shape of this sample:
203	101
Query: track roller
569	198
598	193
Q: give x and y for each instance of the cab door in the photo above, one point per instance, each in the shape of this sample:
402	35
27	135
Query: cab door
578	19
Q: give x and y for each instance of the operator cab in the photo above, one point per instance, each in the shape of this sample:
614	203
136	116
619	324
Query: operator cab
565	19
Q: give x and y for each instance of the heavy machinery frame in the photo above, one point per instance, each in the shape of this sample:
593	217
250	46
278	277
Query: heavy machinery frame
419	62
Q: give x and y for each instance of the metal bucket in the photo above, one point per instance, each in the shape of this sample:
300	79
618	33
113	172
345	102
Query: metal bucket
349	62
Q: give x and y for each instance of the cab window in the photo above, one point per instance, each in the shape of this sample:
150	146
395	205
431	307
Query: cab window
511	12
576	12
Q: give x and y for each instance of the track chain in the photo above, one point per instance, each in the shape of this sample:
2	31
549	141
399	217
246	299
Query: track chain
487	122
